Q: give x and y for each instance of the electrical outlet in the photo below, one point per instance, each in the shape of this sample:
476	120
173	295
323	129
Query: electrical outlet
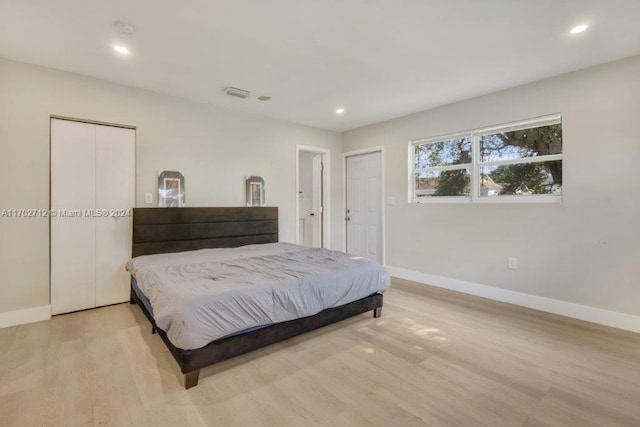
512	263
148	198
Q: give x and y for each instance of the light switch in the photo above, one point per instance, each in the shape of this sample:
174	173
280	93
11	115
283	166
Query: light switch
391	201
148	198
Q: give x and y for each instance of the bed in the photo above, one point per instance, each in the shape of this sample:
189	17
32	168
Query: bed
215	283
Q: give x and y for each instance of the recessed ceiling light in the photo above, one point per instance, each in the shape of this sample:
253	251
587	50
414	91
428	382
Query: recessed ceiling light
578	29
339	110
121	49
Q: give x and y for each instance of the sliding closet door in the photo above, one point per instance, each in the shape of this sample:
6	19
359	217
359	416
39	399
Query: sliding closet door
115	184
73	240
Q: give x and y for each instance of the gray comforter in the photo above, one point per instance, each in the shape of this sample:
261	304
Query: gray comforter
200	296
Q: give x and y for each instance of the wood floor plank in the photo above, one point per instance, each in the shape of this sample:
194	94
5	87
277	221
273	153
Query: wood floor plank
66	397
23	363
435	357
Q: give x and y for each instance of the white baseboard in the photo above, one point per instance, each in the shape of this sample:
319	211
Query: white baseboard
26	315
614	319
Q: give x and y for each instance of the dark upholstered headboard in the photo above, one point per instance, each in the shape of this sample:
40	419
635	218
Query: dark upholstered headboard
162	230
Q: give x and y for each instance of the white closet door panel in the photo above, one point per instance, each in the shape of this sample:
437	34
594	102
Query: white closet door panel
72	264
72	165
115	190
72	237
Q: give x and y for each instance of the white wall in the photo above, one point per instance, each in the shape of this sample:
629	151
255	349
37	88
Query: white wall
586	250
213	147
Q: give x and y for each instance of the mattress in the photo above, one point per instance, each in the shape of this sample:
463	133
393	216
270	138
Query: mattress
200	296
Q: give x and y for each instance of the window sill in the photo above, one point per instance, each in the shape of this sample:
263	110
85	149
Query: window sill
490	200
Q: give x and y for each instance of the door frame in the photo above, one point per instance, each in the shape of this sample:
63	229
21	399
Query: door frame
369	150
326	185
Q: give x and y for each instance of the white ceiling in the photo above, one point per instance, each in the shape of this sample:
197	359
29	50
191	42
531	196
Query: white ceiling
379	59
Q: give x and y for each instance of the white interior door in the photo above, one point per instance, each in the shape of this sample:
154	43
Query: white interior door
115	194
313	197
363	210
73	241
317	201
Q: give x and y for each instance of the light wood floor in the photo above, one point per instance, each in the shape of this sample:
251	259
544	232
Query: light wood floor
435	357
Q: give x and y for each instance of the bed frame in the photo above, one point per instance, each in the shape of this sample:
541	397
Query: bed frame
163	230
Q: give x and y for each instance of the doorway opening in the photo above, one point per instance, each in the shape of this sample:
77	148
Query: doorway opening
312	196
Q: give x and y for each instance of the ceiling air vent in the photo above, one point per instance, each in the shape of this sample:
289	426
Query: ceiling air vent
234	91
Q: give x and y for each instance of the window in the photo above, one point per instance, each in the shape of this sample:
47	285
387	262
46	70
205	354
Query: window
517	162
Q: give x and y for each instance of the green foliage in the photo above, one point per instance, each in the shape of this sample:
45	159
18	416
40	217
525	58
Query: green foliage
527	178
434	154
542	140
443	153
532	178
453	183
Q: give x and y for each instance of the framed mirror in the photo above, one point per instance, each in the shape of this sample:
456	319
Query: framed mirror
254	191
170	189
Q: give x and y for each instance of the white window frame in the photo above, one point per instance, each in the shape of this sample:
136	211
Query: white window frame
476	165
